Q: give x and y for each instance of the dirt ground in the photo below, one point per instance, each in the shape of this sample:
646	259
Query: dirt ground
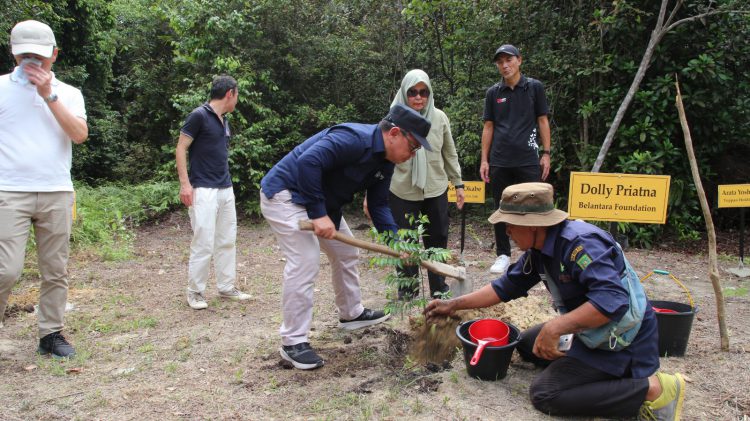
144	354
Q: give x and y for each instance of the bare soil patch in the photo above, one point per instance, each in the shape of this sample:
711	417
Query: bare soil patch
145	355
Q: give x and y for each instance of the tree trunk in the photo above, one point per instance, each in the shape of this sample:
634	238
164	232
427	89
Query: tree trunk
713	267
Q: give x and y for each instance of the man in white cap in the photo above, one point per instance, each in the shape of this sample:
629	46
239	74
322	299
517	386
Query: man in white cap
40	118
610	368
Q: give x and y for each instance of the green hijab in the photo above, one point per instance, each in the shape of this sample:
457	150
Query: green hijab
419	162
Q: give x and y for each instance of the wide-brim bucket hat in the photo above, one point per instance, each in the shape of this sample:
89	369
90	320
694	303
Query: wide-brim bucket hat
528	205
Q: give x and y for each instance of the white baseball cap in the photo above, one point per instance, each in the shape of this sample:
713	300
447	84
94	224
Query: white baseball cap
33	37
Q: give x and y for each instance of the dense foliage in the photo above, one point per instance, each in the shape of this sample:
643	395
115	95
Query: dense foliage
306	64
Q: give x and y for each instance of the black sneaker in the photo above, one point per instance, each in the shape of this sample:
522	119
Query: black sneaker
56	344
367	318
301	356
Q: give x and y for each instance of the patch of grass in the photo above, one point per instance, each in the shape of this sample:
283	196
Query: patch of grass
121	300
26	406
142	323
453	377
730	258
53	366
237	376
106	215
417	407
146	348
239	354
171	368
101	326
735	292
347	401
184	355
95	400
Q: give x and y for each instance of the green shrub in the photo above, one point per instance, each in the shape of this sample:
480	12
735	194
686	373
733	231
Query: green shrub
107	214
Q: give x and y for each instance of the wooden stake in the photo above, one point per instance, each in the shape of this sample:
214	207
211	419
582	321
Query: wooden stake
713	267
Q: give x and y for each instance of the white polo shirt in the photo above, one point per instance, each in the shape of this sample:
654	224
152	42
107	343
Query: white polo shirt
35	152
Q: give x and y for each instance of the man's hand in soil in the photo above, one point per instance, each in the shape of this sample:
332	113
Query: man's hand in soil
324	227
437	308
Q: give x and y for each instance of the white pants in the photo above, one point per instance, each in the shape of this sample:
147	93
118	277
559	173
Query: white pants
302	252
214	221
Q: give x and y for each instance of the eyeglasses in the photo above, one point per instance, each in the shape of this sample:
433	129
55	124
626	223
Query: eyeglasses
413	146
424	93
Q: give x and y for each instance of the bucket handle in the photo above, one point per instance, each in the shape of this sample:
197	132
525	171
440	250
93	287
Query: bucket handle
677	281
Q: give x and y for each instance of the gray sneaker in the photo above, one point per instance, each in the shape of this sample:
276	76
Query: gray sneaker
668	406
196	300
367	318
235	294
302	356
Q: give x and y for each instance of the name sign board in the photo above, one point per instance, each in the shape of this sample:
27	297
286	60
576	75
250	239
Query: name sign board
473	192
734	196
619	197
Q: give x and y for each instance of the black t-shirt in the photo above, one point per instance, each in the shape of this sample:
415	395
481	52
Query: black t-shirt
209	151
513	113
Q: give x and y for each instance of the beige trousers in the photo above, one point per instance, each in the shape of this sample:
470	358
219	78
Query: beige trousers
51	213
302	252
214	221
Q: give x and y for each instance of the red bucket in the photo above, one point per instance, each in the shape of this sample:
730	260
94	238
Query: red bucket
663	310
487	332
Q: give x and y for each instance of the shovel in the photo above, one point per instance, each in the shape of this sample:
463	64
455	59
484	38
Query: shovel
461	287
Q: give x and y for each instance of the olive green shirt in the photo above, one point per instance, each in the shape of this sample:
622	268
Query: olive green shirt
442	164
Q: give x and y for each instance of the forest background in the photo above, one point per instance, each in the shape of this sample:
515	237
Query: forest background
303	65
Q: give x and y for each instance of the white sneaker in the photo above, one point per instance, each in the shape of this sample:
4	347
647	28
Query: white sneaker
196	301
501	264
235	294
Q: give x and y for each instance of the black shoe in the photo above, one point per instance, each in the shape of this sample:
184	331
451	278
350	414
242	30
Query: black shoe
301	356
367	318
56	344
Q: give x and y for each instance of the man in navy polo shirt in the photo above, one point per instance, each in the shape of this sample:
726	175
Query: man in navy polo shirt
207	192
515	120
314	181
582	266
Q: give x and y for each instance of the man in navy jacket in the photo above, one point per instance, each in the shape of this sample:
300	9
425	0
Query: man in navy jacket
314	181
584	265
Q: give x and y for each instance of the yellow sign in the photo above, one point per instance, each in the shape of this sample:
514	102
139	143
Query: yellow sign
619	197
734	196
473	192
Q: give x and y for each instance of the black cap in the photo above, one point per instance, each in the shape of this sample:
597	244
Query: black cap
410	121
506	49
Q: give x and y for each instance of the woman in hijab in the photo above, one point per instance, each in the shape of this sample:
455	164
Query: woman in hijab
421	183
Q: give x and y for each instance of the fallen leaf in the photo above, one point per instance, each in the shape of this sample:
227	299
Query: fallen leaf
171	389
30	367
74	370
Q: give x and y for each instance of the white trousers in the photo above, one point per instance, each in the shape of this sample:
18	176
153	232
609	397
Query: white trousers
214	221
302	252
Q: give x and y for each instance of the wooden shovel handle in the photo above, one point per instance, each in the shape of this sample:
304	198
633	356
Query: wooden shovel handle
305	225
435	267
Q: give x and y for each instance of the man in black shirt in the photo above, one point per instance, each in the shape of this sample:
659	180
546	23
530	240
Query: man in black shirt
207	192
515	119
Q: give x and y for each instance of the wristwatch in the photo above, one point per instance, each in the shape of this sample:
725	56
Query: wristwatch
51	98
542	152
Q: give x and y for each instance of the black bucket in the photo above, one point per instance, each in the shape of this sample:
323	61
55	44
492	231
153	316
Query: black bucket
674	328
493	365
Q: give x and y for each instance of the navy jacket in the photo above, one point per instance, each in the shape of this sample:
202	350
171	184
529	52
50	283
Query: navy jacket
586	265
325	171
